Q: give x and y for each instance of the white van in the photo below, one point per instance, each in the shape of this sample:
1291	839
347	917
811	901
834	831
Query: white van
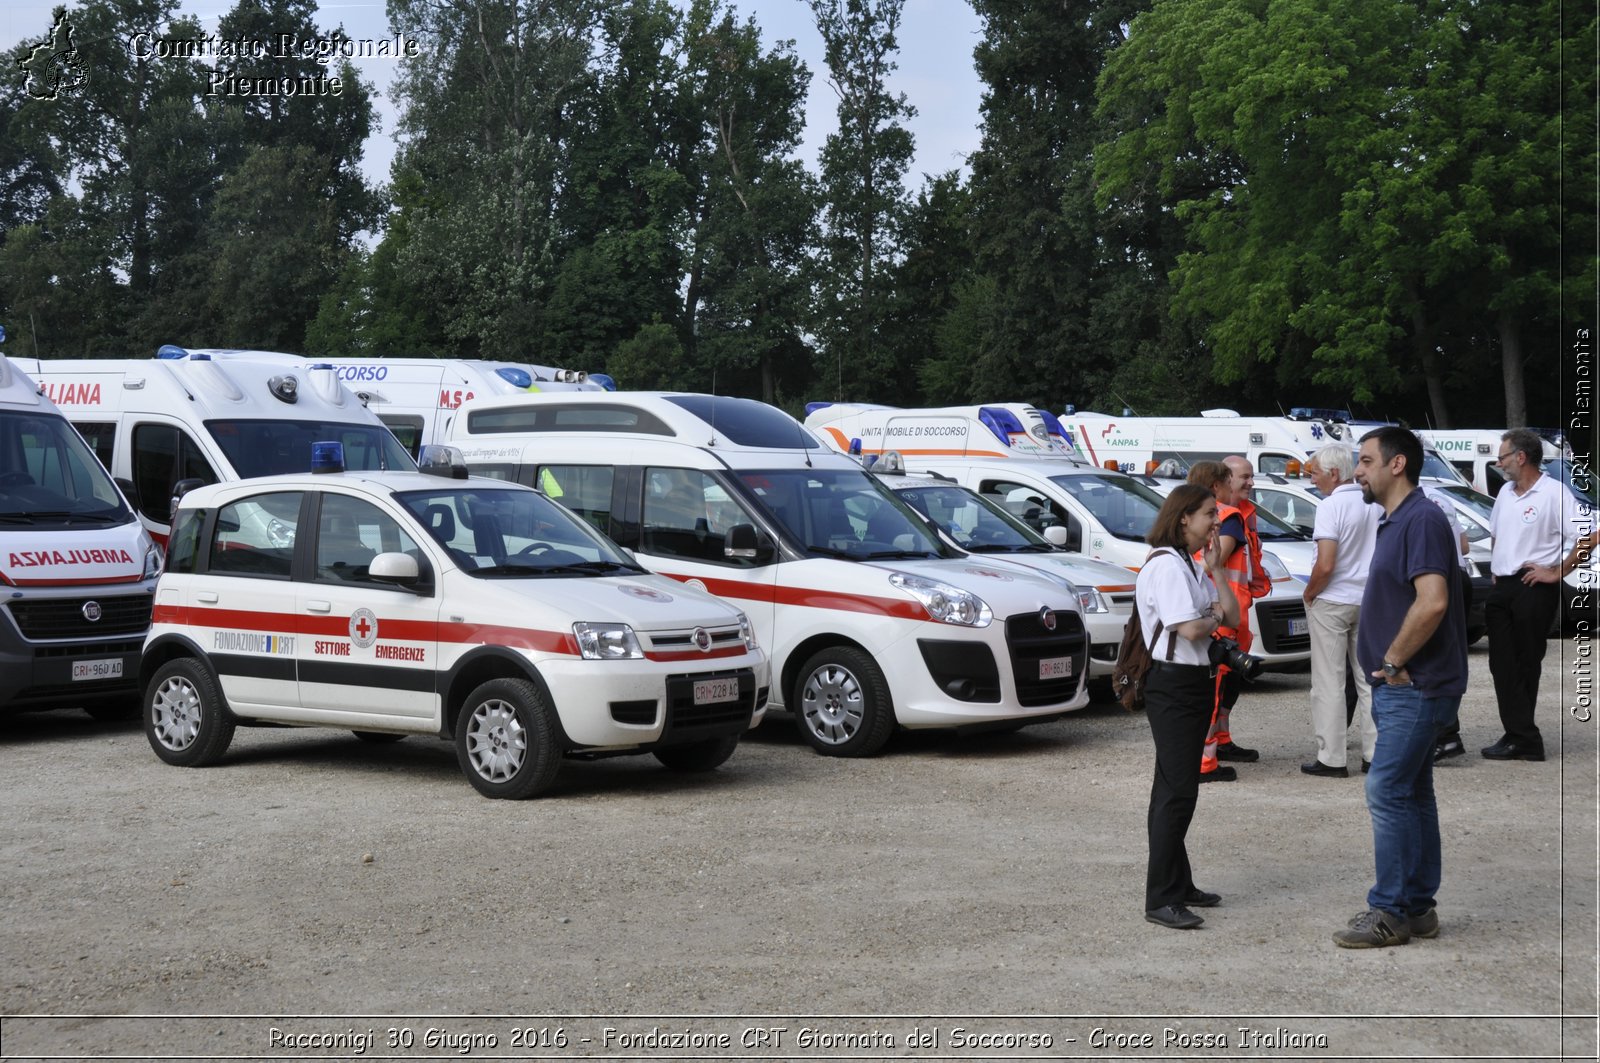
79	570
870	620
1475	454
417	397
1141	444
995	430
156	422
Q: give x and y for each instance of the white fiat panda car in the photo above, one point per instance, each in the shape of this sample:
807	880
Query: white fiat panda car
404	603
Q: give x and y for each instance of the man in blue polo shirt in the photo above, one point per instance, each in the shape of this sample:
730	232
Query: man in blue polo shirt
1413	644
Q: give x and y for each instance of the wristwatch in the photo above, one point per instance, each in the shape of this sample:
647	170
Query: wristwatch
1390	669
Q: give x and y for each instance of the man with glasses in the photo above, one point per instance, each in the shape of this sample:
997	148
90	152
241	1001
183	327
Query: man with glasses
1531	532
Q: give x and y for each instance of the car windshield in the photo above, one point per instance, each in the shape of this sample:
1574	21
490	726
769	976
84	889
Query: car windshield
1480	504
1272	528
273	448
1436	468
975	523
50	478
1122	505
512	533
842	513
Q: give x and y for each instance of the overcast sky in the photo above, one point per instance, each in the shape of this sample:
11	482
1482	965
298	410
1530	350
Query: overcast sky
935	70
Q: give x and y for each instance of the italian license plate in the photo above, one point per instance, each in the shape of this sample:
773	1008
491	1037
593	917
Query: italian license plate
1055	668
1299	627
711	691
108	669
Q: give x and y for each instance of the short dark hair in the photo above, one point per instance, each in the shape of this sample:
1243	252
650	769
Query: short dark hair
1527	441
1167	530
1393	440
1209	474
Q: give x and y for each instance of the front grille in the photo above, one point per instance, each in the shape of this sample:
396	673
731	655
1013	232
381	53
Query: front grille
1274	618
62	618
688	722
1029	643
679	641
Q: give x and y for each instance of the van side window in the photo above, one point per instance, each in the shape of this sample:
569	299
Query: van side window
350	533
1030	505
101	437
163	455
407	429
584	489
687	515
255	536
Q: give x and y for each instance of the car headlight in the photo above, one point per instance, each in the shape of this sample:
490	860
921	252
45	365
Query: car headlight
1274	568
607	642
946	604
747	632
1092	601
152	563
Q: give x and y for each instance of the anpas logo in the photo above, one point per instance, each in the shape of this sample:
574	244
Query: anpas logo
66	393
40	558
1109	431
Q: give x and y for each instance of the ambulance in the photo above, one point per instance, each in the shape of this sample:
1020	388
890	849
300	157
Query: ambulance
400	603
155	423
417	397
1142	444
79	570
1475	454
996	430
872	622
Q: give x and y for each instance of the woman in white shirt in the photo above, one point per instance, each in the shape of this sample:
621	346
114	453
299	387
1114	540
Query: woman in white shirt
1176	593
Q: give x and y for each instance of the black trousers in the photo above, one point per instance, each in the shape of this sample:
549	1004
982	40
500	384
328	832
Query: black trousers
1178	703
1519	620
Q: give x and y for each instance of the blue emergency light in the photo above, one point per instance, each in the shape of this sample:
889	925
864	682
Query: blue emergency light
855	447
171	352
1001	421
604	380
327	456
520	379
813	407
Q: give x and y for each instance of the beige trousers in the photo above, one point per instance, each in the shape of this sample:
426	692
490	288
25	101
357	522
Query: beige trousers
1333	651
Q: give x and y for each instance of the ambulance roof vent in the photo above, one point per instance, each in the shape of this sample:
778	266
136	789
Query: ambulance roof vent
1220	411
324	380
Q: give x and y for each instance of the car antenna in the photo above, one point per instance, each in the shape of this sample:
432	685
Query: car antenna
713	407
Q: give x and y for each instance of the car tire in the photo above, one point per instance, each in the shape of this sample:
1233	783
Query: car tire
186	718
506	740
842	703
698	756
378	738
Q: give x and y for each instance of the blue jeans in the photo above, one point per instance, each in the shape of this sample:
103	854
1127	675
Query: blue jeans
1405	817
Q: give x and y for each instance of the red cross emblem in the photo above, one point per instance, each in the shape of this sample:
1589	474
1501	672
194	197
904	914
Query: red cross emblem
363	628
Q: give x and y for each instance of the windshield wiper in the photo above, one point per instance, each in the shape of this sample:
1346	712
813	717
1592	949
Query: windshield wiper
524	570
828	551
606	566
877	554
994	548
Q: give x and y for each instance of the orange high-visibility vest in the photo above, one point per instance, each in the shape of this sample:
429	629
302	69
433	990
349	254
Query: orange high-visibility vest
1246	578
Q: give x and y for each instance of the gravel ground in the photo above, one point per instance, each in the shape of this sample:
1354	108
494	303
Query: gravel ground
990	885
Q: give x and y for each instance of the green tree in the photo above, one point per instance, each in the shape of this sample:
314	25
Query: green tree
863	167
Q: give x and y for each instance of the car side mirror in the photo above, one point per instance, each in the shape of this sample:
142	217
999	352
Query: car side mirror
129	491
1055	535
742	542
395	567
179	489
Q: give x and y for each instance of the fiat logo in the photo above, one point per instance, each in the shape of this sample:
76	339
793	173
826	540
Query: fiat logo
1047	617
92	612
702	639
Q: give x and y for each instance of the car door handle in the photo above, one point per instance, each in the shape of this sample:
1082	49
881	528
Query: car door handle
320	607
209	597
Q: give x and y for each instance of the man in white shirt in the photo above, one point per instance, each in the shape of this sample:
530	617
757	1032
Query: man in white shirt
1534	524
1345	530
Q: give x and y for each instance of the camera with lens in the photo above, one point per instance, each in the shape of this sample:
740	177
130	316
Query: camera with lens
1224	650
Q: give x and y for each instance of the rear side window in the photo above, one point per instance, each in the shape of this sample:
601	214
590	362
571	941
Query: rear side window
583	489
255	536
101	437
587	417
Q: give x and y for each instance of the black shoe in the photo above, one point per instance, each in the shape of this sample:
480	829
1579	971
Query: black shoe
1219	775
1173	916
1316	767
1231	751
1450	747
1512	749
1366	765
1199	898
